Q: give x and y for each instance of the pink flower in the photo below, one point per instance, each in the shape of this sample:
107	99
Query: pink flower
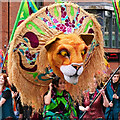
49	24
55	20
61	27
69	30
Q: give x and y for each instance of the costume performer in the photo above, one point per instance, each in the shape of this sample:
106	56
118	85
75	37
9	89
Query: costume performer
60	38
58	102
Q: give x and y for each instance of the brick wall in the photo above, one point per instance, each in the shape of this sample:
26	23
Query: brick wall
14	7
4	26
8	14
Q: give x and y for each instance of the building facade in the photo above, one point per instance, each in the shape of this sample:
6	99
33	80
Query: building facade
102	8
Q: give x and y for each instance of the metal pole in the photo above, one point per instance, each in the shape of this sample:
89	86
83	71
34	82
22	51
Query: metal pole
99	92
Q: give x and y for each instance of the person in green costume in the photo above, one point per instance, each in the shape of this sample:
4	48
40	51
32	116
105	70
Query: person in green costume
58	104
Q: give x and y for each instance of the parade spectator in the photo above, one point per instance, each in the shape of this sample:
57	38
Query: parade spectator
58	102
6	106
96	110
113	95
22	112
18	108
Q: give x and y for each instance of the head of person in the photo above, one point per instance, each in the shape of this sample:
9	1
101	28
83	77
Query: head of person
3	80
93	85
116	77
58	83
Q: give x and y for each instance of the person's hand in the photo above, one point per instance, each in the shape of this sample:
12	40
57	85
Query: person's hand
111	104
14	94
115	96
50	86
102	92
87	108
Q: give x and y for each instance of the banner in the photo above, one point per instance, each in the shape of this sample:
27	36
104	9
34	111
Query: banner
116	5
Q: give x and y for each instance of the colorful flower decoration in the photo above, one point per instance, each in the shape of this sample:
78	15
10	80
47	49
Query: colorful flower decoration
66	26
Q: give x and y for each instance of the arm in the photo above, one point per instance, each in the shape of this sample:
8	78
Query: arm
14	94
84	108
2	101
115	96
105	100
47	98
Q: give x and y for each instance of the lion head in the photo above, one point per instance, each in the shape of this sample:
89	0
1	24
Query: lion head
66	55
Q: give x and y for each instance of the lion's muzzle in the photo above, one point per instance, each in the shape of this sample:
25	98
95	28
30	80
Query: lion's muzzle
72	72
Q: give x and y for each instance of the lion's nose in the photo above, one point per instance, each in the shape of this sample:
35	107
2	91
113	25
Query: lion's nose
76	66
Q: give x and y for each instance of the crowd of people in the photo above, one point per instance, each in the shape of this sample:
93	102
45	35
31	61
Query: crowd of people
58	103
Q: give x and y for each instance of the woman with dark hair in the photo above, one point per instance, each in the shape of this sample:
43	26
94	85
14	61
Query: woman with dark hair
6	106
58	102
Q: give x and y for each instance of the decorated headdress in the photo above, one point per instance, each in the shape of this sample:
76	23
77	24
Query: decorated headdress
30	62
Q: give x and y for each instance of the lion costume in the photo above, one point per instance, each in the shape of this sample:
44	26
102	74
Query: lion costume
61	38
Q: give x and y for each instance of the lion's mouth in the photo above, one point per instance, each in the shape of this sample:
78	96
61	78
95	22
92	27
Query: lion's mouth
71	79
74	75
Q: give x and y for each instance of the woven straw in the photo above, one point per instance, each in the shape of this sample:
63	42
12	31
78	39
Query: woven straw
26	81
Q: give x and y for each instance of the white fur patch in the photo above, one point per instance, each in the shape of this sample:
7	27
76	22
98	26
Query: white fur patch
73	80
70	73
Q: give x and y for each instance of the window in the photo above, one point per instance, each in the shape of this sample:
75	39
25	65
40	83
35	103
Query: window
113	31
106	28
39	3
119	40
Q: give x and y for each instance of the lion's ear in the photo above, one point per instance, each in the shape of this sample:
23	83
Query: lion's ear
87	38
48	45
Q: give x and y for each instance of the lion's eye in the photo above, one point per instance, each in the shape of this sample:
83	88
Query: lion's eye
83	52
64	53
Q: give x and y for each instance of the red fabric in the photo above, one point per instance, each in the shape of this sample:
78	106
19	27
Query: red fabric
14	107
35	116
96	110
9	118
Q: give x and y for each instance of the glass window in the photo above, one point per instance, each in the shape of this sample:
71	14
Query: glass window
39	3
106	28
119	40
113	32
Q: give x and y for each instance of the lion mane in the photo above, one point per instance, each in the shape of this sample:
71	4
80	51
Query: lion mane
60	39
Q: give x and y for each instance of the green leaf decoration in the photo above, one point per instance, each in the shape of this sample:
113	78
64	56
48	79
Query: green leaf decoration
90	23
59	1
72	11
34	74
56	12
35	26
